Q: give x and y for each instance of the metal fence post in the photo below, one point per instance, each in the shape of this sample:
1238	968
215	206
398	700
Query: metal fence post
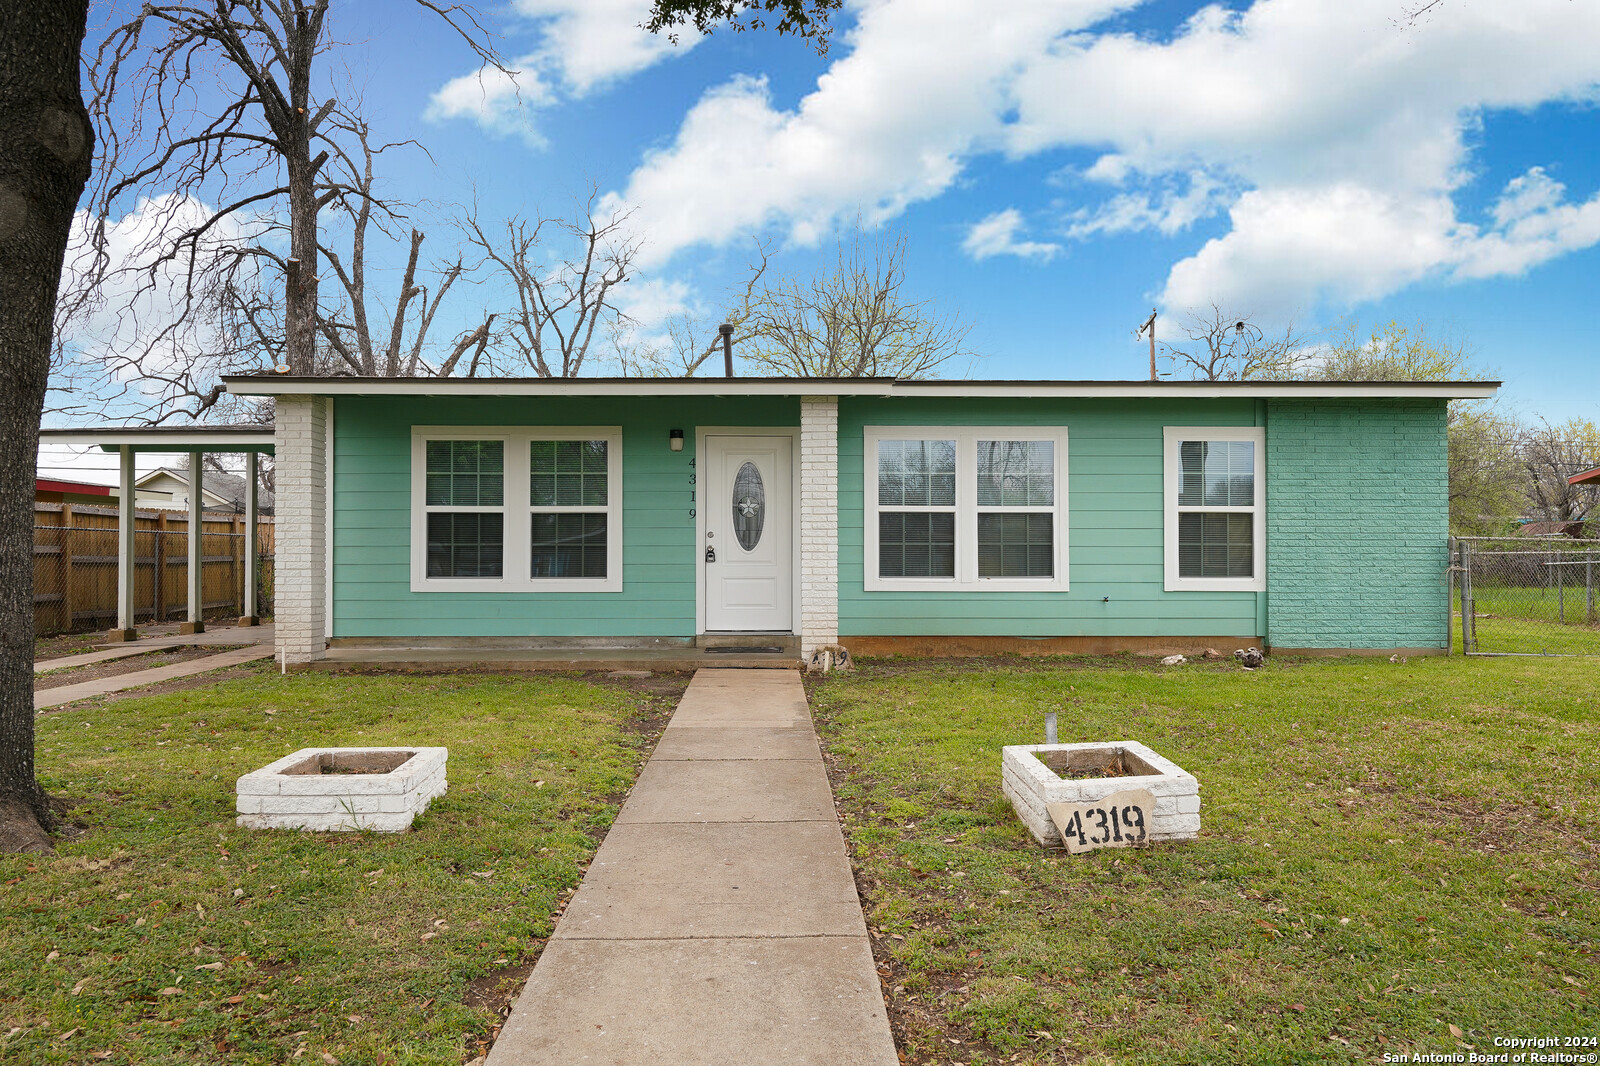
1561	590
1588	586
1449	592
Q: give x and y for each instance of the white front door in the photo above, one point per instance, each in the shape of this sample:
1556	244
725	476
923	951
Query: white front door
748	548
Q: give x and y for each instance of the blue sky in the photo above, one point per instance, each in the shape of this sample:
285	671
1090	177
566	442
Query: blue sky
1058	167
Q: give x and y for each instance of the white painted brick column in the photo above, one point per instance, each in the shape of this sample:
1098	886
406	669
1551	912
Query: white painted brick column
300	567
819	522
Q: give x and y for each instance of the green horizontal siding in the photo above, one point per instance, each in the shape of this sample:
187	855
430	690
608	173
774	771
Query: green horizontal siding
372	594
1357	524
1114	538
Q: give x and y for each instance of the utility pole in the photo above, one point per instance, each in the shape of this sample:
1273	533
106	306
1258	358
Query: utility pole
1150	328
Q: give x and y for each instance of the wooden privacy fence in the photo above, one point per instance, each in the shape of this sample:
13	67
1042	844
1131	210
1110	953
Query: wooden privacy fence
75	566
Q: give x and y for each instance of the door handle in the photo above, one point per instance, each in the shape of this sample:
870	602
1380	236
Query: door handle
711	554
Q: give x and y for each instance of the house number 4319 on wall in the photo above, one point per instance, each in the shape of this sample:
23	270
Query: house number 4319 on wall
1120	820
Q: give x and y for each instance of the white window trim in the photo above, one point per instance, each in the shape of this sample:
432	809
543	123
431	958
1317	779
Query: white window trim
966	577
1172	440
518	509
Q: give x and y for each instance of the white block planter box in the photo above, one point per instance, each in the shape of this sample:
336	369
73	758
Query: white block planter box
323	789
1030	780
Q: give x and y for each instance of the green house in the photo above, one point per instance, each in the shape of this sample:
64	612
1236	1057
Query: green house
912	517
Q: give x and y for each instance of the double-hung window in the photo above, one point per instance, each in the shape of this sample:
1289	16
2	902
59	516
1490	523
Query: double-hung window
523	509
568	490
1215	489
465	504
965	508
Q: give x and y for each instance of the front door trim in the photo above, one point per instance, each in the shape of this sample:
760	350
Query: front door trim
700	435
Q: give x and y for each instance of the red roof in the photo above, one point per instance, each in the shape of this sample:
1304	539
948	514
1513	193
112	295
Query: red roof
1588	477
51	485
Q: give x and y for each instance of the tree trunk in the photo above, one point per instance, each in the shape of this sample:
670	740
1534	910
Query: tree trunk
300	303
45	147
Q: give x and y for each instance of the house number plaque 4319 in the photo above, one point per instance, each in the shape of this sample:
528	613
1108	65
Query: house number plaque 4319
1120	820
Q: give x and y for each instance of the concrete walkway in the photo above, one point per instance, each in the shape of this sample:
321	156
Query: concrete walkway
83	690
103	653
719	921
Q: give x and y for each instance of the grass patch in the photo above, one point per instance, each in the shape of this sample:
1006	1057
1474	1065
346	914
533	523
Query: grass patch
164	933
1388	851
1508	623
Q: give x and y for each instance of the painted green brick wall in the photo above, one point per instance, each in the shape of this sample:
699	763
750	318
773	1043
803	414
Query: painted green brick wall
1357	524
1114	496
372	594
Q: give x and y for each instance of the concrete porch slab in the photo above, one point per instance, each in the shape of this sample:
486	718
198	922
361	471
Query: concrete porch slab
716	880
794	1001
729	791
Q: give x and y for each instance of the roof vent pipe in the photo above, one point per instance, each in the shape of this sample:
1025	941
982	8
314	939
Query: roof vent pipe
726	330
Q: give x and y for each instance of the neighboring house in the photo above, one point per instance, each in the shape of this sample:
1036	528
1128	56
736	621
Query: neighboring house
54	490
1546	530
168	489
1588	477
923	517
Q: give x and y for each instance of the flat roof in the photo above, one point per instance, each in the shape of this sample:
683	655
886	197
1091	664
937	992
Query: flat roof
285	385
245	438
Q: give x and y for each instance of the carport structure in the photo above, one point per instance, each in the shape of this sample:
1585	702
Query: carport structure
1588	477
197	441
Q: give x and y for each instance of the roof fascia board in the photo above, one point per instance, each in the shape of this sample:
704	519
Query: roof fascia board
252	386
141	441
1207	391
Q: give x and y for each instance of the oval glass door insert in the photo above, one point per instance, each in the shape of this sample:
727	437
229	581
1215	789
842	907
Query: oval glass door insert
749	506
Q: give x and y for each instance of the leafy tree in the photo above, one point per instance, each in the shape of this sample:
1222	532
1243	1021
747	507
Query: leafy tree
1551	453
810	20
1486	479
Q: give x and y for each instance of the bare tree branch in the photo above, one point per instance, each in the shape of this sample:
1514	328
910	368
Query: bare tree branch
1220	346
558	303
852	321
283	136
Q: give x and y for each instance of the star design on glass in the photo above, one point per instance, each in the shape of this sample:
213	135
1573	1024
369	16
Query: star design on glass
747	507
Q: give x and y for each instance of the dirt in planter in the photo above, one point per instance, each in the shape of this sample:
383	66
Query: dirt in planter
1081	766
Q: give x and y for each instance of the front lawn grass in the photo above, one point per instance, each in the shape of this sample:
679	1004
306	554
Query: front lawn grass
1394	857
164	933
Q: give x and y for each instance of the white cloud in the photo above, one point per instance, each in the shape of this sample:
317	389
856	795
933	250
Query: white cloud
1346	135
503	104
650	302
591	43
126	349
1164	209
924	85
584	46
997	235
1336	141
1533	223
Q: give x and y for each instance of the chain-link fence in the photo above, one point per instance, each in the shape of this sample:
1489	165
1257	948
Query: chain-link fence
1521	596
75	571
